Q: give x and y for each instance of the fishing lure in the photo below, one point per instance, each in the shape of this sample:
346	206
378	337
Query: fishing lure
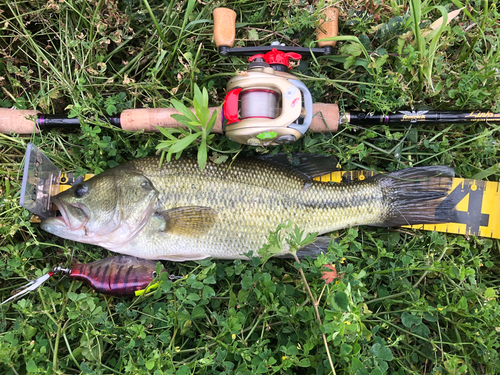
117	276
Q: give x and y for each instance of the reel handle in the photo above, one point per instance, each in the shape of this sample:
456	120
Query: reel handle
329	28
224	27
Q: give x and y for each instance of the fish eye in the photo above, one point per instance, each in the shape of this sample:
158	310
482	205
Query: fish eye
145	185
153	274
80	190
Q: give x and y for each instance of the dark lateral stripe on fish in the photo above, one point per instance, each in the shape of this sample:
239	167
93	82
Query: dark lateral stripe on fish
98	272
105	275
127	275
116	281
341	203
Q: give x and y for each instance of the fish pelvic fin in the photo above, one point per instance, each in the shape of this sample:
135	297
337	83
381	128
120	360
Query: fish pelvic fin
417	196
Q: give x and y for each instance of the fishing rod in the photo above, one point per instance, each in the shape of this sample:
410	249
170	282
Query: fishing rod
266	105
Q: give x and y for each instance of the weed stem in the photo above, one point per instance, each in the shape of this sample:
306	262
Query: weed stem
315	305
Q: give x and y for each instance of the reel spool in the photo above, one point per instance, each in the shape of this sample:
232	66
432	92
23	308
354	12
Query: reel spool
267	105
252	104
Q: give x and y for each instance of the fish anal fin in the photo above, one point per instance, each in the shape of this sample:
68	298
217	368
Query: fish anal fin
319	246
191	221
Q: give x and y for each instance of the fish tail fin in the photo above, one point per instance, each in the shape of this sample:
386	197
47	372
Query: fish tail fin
417	196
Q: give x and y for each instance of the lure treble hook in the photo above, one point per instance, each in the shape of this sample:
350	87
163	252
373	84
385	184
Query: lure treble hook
30	287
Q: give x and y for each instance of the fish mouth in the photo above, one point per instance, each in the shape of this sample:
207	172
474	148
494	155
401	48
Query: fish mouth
72	216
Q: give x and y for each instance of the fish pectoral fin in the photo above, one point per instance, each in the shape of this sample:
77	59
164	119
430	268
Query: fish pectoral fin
183	257
191	221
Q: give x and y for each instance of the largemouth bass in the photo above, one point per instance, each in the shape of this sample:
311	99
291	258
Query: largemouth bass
180	213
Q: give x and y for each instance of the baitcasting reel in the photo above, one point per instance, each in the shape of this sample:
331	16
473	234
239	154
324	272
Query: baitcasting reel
266	105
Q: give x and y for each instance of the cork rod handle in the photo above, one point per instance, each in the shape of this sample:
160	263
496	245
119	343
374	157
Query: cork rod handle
330	27
18	121
148	119
224	27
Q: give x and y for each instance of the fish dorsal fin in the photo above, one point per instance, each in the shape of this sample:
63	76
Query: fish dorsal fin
309	165
191	221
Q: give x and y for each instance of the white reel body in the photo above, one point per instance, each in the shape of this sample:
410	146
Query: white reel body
266	107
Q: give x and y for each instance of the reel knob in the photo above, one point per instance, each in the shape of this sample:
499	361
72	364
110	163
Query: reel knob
285	139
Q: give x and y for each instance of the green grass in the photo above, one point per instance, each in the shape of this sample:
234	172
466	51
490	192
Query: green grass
409	302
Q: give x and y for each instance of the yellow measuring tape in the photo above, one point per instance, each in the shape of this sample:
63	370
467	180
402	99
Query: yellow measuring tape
478	207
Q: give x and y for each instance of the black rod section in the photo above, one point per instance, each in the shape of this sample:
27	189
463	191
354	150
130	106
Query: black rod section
411	117
64	122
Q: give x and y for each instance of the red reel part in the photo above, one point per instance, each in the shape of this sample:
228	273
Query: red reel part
275	57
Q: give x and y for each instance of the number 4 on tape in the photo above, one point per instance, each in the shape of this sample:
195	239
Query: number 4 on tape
478	213
478	205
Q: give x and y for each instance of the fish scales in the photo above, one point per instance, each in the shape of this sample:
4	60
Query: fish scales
250	205
228	209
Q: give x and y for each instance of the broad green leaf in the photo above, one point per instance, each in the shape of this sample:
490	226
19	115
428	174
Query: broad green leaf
202	154
462	304
422	330
208	292
167	132
356	364
183	143
183	370
410	320
211	123
31	366
205	97
180	107
490	293
246	282
150	364
345	348
201	105
386	354
198	312
253	34
342	300
353	49
193	125
375	349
